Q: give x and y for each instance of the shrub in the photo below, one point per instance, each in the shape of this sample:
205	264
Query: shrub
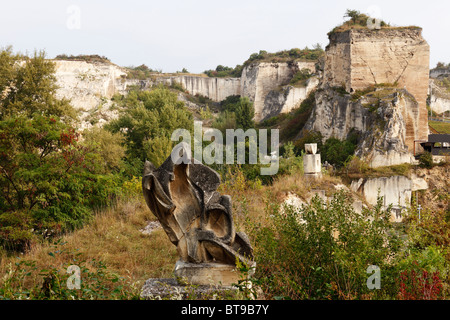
322	250
426	160
147	120
337	152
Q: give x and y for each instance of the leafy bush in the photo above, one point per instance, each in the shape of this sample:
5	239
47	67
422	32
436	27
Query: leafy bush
300	77
323	250
426	160
338	152
141	72
293	54
224	72
91	58
298	118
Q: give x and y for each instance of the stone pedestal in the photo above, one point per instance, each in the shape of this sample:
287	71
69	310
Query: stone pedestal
208	273
312	166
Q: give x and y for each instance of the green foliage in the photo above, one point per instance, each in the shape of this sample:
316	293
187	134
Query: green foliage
90	58
238	112
141	72
224	72
300	77
96	281
426	160
47	177
322	250
244	114
225	120
294	54
357	19
49	182
147	120
109	147
298	118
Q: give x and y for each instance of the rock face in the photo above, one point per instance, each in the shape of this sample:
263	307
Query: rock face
86	83
90	86
395	190
197	219
439	96
378	117
286	98
392	118
216	89
259	80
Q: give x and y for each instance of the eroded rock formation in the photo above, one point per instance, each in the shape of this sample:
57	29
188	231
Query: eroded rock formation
259	80
359	58
375	82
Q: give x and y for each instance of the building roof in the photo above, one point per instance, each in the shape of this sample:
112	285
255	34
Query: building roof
439	138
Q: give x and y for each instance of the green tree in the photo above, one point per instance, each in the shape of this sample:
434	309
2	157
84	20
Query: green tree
337	151
147	120
48	181
322	250
244	114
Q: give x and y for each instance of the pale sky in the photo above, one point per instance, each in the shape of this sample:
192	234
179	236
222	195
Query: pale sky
200	34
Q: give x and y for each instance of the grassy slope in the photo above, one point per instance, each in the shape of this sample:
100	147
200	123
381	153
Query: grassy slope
441	127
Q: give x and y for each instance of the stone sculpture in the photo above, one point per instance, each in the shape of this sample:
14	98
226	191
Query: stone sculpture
197	219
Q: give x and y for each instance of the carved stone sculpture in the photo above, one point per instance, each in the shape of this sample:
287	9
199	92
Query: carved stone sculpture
197	219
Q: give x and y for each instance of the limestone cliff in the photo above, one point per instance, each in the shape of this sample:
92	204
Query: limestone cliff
90	86
258	80
216	89
439	95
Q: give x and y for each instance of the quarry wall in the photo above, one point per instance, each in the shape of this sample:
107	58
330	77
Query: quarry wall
359	58
87	85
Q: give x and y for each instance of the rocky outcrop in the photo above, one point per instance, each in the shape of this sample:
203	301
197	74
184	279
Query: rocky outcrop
439	96
286	98
395	191
90	86
378	117
85	84
258	80
216	89
359	58
391	117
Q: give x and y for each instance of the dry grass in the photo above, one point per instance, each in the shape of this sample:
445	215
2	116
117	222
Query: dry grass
114	238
